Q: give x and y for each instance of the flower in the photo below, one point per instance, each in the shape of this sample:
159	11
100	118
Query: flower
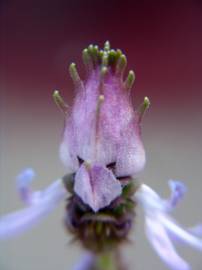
102	128
103	152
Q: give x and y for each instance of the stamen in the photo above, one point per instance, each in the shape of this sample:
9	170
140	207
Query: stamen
144	106
130	80
87	60
112	57
107	46
101	98
60	102
121	64
105	59
75	75
99	103
93	52
104	71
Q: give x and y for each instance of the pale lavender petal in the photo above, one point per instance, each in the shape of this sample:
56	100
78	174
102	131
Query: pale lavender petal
178	189
42	204
150	200
196	230
96	186
130	151
24	180
179	232
86	262
106	132
161	243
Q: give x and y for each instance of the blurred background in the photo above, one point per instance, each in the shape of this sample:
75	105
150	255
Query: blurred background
39	39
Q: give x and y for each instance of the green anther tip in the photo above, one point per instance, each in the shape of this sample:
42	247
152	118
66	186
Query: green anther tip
107	46
118	52
74	73
121	64
85	55
145	105
72	67
130	79
123	60
146	102
56	93
59	101
90	48
96	47
57	97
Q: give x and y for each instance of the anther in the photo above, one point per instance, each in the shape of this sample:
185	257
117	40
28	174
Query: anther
143	108
105	59
130	80
60	102
121	64
107	46
75	75
87	59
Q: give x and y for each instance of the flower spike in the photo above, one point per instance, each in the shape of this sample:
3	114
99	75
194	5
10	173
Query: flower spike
60	102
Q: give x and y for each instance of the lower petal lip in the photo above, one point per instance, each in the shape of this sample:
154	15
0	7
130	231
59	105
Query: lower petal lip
96	186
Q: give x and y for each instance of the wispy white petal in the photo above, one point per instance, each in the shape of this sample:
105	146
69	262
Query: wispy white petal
196	230
178	189
24	180
85	263
160	226
42	204
179	232
161	243
149	199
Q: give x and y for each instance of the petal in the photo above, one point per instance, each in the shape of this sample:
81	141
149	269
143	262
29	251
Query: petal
96	186
42	204
196	230
178	189
179	232
161	243
85	263
24	180
131	154
150	200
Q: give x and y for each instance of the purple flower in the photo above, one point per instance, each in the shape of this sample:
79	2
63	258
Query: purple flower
102	128
102	150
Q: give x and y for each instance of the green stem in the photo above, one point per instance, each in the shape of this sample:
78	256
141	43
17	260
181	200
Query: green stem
108	261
